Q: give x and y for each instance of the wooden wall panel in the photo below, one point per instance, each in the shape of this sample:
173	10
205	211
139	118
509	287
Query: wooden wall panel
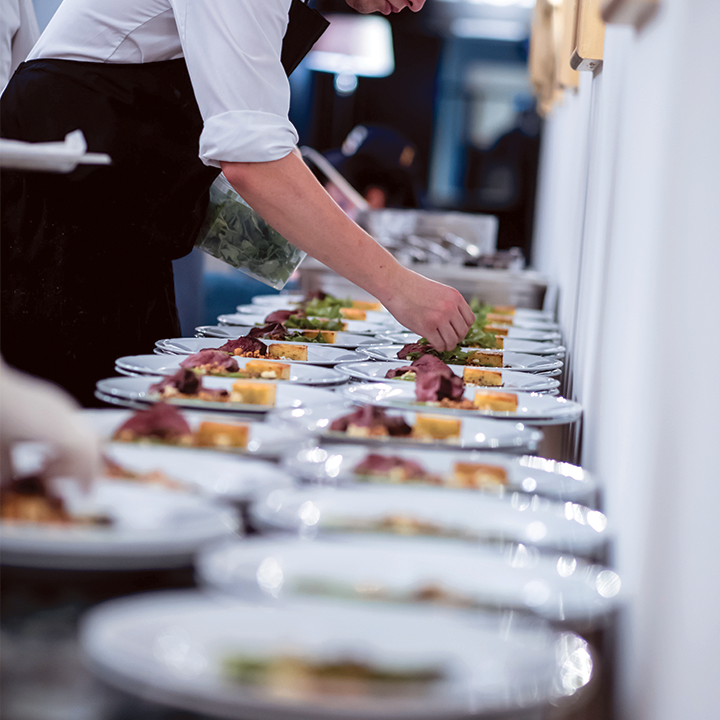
589	36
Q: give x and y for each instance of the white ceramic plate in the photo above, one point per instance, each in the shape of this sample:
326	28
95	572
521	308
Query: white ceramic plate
514	333
463	515
524	322
334	464
300	373
531	347
317	354
288	300
343	339
135	389
152	528
476	433
533	314
558	588
264	440
532	407
512	380
171	647
281	302
211	474
375	317
362	327
511	360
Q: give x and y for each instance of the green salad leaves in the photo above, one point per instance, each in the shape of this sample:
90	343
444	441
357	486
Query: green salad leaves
234	233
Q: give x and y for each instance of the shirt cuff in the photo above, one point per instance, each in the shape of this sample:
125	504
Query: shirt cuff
246	136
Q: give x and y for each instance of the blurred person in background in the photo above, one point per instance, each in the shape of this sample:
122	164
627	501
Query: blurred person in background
381	164
174	91
502	179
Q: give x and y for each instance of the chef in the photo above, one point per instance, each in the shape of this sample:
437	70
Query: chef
174	91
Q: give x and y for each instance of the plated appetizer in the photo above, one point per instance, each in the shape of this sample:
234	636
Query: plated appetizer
116	471
28	500
372	421
217	362
318	302
395	469
437	384
186	385
300	319
302	676
428	371
164	424
456	356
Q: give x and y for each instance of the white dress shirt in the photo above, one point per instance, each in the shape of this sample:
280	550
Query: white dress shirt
231	48
18	33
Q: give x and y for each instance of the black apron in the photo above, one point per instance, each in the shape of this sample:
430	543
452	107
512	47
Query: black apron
85	268
85	271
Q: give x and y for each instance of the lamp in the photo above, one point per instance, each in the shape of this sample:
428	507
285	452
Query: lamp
353	45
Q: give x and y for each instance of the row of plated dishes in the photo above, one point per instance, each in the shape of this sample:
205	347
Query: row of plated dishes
404	560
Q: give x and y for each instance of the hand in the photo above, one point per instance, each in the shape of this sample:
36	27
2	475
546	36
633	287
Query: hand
386	7
36	410
433	310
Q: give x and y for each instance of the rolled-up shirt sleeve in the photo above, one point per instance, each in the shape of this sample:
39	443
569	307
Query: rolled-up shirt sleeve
232	50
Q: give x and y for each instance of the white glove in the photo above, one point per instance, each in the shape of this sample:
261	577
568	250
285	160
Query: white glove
36	410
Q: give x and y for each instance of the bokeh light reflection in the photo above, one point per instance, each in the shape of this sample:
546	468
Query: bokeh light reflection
332	465
566	566
576	663
317	455
608	583
309	513
596	520
270	576
173	648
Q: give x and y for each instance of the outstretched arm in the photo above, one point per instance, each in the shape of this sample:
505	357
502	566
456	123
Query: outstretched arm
289	198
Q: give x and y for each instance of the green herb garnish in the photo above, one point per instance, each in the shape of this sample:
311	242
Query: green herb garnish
477	337
323	307
319	309
456	356
313	324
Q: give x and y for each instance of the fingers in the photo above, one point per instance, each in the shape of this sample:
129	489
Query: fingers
447	334
467	314
434	337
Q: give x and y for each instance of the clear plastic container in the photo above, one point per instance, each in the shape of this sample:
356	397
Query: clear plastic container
234	233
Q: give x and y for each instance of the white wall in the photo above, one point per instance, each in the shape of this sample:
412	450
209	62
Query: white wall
638	149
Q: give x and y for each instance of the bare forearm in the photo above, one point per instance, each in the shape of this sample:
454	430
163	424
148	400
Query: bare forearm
287	195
